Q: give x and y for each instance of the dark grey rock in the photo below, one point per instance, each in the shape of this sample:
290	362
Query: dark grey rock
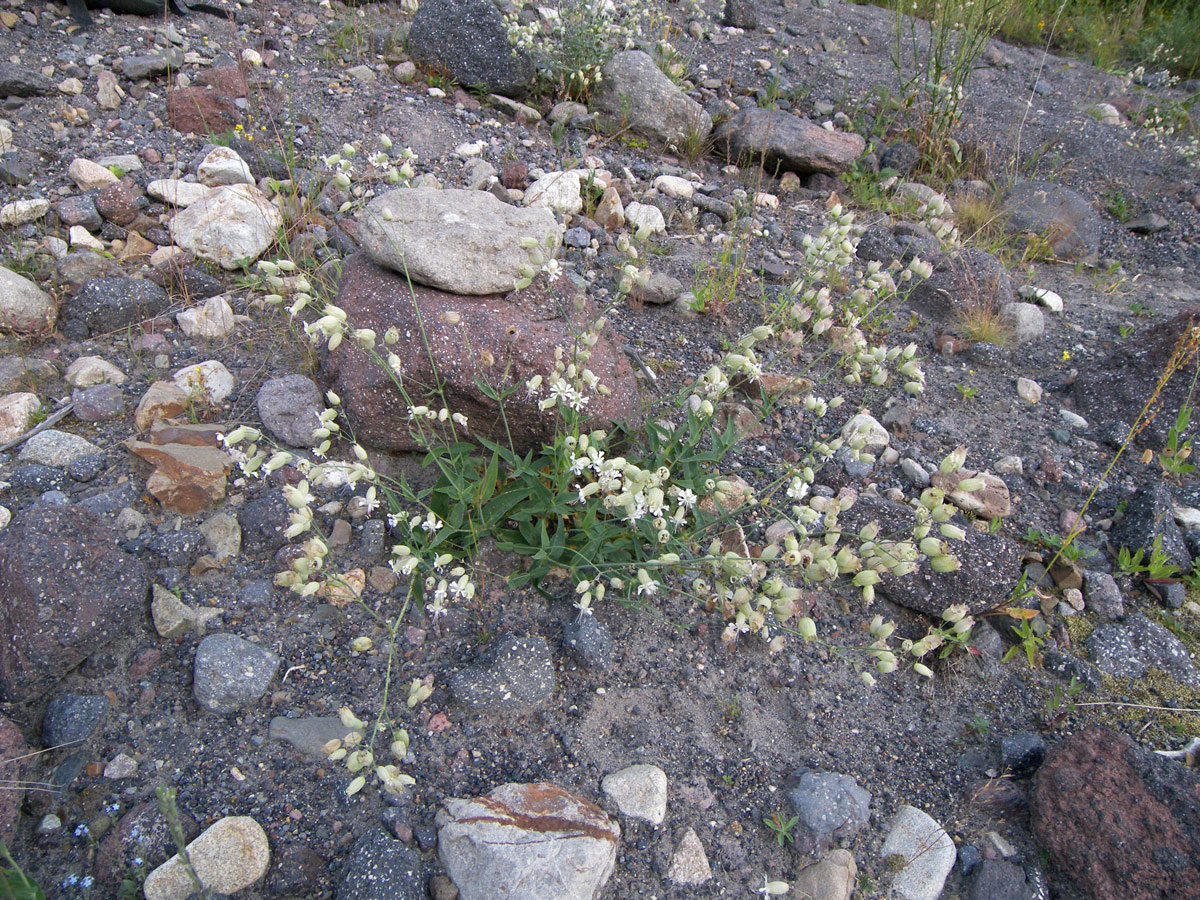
17	81
98	403
34	477
588	642
103	305
969	858
901	157
177	548
373	533
1102	596
830	807
290	407
231	672
255	593
111	500
635	93
1150	223
991	563
380	867
1071	668
740	14
1021	753
577	237
54	498
962	283
467	39
263	522
998	879
17	167
1150	517
878	244
1133	647
79	210
143	65
516	675
1055	214
72	719
717	207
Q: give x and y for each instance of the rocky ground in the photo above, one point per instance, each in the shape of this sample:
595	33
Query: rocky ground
143	643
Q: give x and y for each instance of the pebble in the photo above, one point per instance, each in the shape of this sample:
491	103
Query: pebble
309	734
231	672
1072	419
1029	390
121	766
833	878
639	792
689	864
1021	753
56	448
588	642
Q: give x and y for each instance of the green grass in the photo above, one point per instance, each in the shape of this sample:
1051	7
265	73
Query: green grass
1110	33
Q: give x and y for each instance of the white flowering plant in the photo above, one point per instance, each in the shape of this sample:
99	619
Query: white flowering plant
572	40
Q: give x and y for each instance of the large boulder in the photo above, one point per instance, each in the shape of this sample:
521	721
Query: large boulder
1112	391
991	563
457	341
66	591
464	242
533	841
1121	822
1055	214
467	40
784	142
964	284
634	93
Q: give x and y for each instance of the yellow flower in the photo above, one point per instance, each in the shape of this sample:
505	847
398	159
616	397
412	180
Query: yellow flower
1066	355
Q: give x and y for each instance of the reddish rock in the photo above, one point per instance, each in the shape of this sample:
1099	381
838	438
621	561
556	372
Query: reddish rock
786	142
229	81
502	340
118	203
187	478
16	766
199	110
66	591
1121	822
514	174
162	400
141	834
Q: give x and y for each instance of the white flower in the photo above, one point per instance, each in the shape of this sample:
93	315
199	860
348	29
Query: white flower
431	523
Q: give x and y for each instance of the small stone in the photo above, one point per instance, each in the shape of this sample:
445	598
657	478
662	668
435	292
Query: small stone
208	381
1102	596
644	219
1048	299
674	187
162	400
211	319
914	472
89	370
309	735
833	878
828	806
172	617
99	403
639	792
89	176
926	855
559	191
1029	390
290	407
518	674
1024	320
1022	753
56	448
1073	420
15	412
229	856
588	642
866	428
658	290
231	672
121	766
689	864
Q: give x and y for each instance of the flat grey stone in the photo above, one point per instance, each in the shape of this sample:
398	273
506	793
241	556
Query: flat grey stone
231	672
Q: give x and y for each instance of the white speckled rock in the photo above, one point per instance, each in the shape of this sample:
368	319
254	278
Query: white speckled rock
87	175
689	865
176	192
230	855
642	217
15	410
558	191
223	166
56	448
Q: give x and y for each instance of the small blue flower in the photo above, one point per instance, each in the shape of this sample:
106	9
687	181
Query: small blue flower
87	882
81	830
70	881
137	861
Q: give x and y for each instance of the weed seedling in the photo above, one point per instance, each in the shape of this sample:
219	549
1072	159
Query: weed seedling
781	828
